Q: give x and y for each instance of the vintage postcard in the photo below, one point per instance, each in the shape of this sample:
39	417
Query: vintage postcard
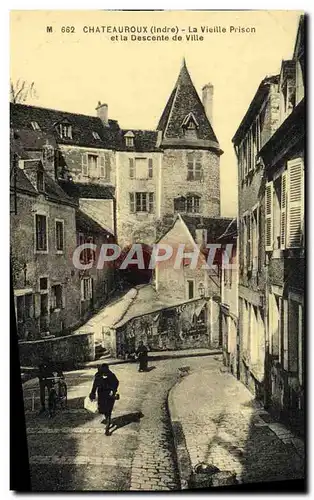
157	248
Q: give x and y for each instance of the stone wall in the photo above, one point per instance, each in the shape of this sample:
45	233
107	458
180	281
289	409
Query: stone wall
180	327
69	350
72	160
175	183
58	267
136	227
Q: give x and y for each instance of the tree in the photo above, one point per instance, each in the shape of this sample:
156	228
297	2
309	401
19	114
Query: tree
20	91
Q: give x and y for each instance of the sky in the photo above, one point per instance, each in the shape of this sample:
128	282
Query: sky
73	71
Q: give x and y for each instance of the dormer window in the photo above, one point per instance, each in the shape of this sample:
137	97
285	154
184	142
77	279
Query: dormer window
65	130
40	181
190	126
96	135
35	126
129	139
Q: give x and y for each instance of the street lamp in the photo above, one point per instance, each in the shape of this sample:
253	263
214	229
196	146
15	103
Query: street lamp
201	290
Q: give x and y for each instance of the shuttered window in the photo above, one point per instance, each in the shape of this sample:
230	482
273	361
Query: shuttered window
107	166
85	164
249	242
295	205
150	168
269	216
102	172
283	211
132	202
131	168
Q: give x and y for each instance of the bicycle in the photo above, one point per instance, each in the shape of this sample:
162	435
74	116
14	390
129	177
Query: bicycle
57	394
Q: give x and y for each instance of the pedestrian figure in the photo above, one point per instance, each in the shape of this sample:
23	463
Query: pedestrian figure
106	385
142	355
46	372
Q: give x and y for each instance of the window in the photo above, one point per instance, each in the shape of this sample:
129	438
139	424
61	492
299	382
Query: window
276	213
194	166
43	283
92	161
295	203
255	238
129	142
86	289
105	166
40	181
274	319
56	297
190	204
41	232
96	135
59	235
150	168
131	168
65	131
193	204
284	208
35	126
142	202
140	168
269	216
190	289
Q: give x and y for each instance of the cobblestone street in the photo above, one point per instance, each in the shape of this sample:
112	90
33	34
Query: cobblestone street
227	428
71	451
221	422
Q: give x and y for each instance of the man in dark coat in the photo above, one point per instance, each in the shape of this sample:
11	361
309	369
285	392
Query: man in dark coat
106	385
142	354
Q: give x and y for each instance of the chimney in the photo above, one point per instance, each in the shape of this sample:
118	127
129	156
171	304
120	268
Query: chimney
200	237
207	98
102	113
49	160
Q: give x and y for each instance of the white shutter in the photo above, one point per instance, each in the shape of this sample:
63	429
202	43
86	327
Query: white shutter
295	205
269	216
107	166
131	168
82	290
283	211
85	164
102	166
132	203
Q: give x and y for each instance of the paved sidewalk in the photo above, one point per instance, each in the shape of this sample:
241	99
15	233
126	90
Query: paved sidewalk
217	421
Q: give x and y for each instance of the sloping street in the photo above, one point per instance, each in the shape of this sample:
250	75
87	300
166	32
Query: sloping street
218	417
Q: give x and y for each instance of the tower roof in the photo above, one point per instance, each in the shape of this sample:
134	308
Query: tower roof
184	101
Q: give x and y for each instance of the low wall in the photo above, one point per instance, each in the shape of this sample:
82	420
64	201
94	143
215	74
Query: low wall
69	350
184	326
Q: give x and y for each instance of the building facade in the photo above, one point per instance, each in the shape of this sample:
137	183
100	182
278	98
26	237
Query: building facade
269	145
51	296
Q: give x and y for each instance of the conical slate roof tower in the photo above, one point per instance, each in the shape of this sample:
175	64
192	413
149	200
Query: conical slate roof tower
184	112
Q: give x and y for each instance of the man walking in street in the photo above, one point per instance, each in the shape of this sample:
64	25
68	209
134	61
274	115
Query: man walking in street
142	355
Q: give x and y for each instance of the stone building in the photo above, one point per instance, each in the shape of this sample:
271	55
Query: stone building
256	128
284	163
269	144
133	184
46	223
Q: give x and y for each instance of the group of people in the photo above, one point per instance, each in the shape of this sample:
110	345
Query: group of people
105	385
